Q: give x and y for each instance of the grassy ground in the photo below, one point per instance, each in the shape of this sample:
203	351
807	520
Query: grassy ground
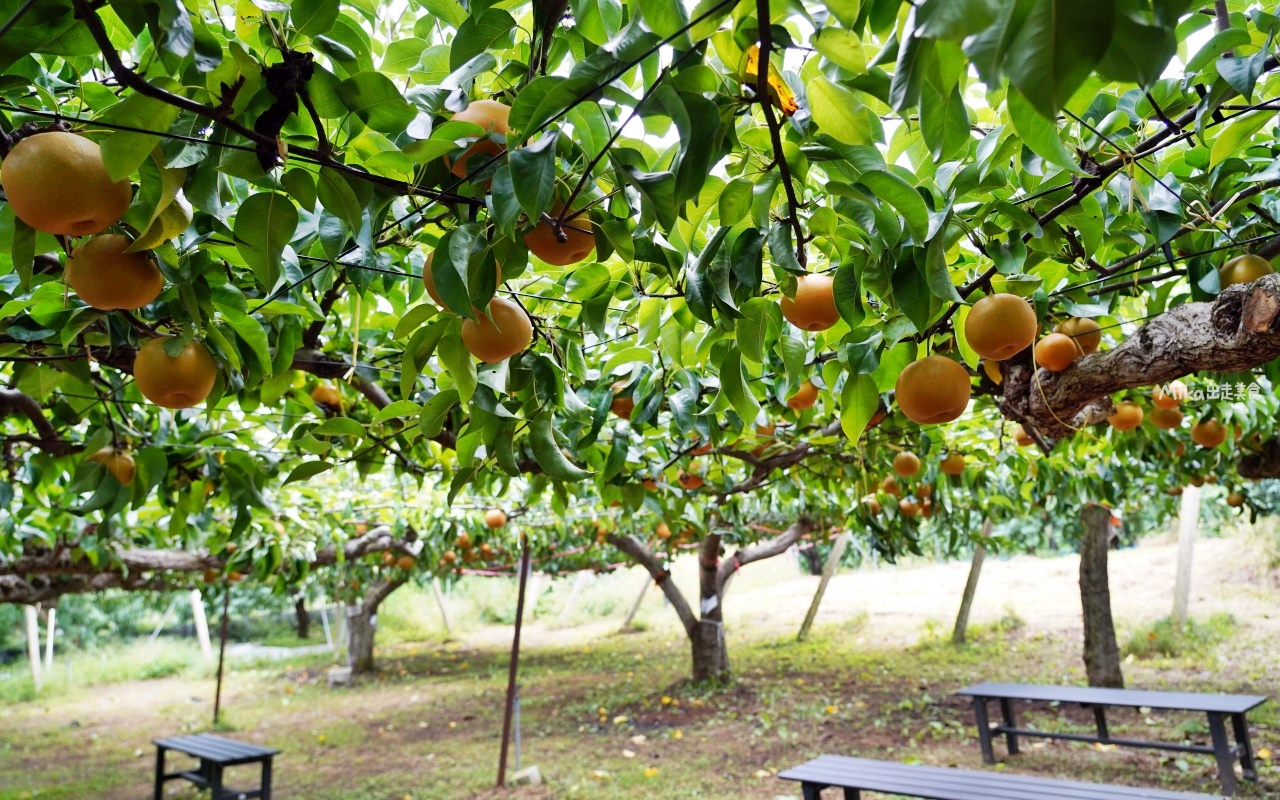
608	716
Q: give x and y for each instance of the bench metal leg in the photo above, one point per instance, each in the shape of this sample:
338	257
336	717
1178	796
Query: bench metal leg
266	779
812	791
852	794
1010	721
159	773
215	782
1241	726
984	729
1222	752
1100	717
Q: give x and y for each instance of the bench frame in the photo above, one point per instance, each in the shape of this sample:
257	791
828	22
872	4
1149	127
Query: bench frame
209	774
1225	753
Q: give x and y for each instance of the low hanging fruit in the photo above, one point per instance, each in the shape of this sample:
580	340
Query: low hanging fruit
118	462
1235	499
1209	433
691	481
1000	326
57	183
909	508
174	382
449	557
889	485
814	306
1170	396
1166	418
103	275
906	464
1243	269
623	404
663	531
804	398
1086	333
495	518
494	340
1021	436
932	390
493	117
463	541
406	562
872	504
578	245
953	464
1056	351
1127	416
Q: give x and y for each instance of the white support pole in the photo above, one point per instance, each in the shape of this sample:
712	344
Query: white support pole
324	622
578	581
1188	527
48	646
635	608
828	570
33	644
444	612
534	579
163	620
202	624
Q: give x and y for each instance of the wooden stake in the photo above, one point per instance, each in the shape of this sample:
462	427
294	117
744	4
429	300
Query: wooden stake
48	647
222	651
828	570
582	577
513	671
970	588
635	609
1188	528
33	644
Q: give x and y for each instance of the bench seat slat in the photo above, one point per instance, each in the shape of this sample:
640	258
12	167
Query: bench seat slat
1132	698
215	748
939	783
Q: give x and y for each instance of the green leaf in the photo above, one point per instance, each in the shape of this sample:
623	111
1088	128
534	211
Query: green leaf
124	151
734	386
533	173
338	198
372	97
478	33
903	197
462	368
314	17
838	112
307	469
436	411
760	322
1056	48
859	400
339	426
842	48
1234	137
1040	134
547	452
397	410
735	201
264	224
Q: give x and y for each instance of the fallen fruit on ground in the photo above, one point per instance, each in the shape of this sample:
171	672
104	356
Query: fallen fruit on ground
1209	433
118	462
906	464
578	245
174	382
953	464
1000	326
103	275
814	306
494	340
56	182
932	390
490	115
1056	351
1086	333
1127	416
495	518
804	398
1246	268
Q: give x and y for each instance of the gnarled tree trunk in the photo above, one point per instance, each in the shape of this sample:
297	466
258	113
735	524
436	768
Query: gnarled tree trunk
362	625
303	618
1101	653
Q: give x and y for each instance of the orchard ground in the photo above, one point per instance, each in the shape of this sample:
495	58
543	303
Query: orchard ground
607	715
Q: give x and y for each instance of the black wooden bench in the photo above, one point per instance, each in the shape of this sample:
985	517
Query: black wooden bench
215	753
857	775
1218	707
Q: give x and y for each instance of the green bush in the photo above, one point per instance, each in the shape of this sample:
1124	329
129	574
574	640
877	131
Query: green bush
1166	639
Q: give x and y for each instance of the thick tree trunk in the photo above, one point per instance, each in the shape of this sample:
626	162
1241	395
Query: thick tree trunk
1101	653
710	656
303	618
362	625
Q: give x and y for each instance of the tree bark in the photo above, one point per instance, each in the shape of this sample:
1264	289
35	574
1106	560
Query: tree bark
303	618
1101	653
362	625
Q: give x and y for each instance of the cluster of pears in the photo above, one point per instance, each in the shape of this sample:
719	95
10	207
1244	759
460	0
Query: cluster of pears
506	329
57	183
917	504
494	519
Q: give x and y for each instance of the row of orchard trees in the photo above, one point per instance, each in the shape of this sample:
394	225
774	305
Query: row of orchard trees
604	258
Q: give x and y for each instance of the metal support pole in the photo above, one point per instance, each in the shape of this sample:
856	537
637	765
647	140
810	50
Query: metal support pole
324	623
515	663
1188	527
516	725
163	620
222	651
635	609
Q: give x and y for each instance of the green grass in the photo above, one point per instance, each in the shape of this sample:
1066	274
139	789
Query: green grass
1165	639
